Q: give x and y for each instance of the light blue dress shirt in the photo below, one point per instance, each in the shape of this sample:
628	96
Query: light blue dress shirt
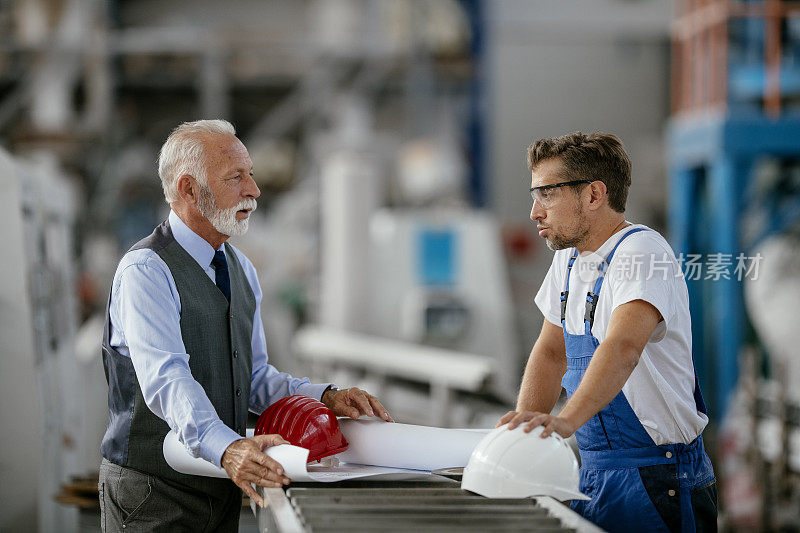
145	326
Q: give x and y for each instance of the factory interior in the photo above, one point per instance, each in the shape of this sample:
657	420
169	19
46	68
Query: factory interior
392	239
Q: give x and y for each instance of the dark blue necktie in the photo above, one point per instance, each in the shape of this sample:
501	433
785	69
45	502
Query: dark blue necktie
223	280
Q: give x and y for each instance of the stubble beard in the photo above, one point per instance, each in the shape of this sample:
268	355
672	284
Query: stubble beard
224	220
578	233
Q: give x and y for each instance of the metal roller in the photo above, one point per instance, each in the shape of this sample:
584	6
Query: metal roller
407	505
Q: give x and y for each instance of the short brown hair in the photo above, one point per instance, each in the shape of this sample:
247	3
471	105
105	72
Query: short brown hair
598	156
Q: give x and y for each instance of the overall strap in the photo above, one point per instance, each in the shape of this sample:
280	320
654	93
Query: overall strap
593	296
565	292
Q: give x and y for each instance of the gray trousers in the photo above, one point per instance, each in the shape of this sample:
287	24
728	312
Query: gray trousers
131	500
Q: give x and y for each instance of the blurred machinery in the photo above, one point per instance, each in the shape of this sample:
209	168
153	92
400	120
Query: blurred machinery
429	272
735	200
324	93
435	306
39	380
439	278
732	109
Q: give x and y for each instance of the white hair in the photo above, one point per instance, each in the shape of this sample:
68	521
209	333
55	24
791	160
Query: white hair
183	153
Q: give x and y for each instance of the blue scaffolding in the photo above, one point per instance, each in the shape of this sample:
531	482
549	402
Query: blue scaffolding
735	90
711	175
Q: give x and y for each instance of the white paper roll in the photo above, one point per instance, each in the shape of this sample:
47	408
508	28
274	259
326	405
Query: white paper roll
375	448
375	442
291	458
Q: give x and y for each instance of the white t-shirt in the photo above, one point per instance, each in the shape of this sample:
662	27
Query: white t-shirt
661	388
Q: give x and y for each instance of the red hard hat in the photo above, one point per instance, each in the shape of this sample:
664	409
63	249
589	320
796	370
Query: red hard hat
304	422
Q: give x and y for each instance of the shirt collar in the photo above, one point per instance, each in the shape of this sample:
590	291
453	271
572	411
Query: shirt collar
194	244
606	247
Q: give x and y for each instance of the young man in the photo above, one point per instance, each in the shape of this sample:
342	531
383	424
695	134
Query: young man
617	337
184	349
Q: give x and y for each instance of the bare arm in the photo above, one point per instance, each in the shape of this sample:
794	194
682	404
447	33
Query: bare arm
541	383
629	329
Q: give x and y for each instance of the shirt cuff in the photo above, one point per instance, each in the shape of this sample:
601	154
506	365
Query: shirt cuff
215	441
313	390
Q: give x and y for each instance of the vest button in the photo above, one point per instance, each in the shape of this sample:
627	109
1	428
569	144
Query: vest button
238	391
669	455
671	492
235	354
231	315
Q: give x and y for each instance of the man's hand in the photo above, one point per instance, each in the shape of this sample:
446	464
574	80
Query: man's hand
354	402
245	462
533	419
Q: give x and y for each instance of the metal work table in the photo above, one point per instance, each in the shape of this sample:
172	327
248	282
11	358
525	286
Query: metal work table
402	505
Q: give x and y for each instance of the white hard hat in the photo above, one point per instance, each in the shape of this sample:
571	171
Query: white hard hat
515	464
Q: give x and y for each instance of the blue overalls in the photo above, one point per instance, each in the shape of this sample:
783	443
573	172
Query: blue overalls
614	446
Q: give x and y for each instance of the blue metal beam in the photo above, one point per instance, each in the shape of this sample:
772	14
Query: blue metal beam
751	137
726	178
698	141
478	101
682	199
684	221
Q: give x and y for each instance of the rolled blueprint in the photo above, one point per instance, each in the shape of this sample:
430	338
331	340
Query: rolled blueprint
375	442
375	447
292	458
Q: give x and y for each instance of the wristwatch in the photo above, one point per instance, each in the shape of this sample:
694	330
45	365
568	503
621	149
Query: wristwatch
330	388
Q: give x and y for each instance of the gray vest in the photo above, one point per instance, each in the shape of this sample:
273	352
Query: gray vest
217	337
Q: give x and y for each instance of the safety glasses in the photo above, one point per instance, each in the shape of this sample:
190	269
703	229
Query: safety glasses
547	195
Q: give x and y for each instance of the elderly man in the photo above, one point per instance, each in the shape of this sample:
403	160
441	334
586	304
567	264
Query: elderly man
617	337
184	348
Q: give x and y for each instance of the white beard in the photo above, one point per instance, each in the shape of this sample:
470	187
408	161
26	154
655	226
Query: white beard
224	220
